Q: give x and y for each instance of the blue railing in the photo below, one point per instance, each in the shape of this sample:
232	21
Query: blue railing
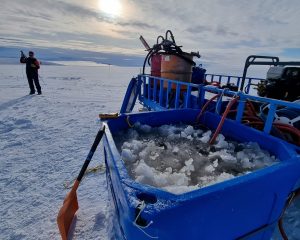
236	80
157	93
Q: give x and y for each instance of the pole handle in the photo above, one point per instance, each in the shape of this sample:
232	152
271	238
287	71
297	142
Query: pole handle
91	153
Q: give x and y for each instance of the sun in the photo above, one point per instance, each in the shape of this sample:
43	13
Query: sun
110	7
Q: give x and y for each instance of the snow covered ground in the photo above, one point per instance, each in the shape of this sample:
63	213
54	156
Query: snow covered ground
44	141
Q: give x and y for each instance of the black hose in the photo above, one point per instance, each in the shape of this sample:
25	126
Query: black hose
172	36
144	65
166	47
159	38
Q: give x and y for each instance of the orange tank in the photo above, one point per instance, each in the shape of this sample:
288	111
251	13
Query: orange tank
155	65
176	68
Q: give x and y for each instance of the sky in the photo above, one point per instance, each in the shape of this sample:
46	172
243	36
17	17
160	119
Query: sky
225	32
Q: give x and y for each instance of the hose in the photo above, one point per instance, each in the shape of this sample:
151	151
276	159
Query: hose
146	58
159	38
283	128
166	46
216	133
289	201
278	129
172	36
205	106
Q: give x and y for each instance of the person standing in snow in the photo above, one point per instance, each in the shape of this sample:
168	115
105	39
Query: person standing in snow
32	66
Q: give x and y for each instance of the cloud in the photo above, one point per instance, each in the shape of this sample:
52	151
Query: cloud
217	28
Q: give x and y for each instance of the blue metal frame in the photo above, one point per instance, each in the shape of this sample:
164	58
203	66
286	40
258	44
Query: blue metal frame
213	212
227	79
183	89
132	93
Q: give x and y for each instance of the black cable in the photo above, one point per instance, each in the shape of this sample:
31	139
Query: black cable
144	65
159	38
172	36
166	47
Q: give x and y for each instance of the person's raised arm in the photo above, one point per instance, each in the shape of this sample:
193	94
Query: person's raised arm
23	58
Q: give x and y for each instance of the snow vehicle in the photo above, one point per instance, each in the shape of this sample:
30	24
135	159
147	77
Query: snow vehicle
245	207
283	82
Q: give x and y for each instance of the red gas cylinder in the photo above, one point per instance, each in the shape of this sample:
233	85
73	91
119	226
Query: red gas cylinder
155	65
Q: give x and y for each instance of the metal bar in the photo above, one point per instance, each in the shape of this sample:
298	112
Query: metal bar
289	63
188	96
251	61
220	78
144	86
161	92
149	87
276	63
152	105
154	89
248	86
219	105
270	117
240	109
228	79
201	95
238	81
177	96
168	92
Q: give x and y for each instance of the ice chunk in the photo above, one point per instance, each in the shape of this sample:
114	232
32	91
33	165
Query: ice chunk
145	128
154	155
189	167
224	155
180	189
209	168
173	136
189	130
210	180
221	143
189	137
216	163
175	149
136	145
178	158
150	176
127	155
240	155
246	162
223	176
133	134
183	134
206	137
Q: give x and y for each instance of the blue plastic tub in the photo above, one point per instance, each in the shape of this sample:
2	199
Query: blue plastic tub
244	207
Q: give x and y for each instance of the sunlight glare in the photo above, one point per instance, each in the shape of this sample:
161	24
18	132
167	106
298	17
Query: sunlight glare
111	7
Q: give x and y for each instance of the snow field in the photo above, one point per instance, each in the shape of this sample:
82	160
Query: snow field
44	141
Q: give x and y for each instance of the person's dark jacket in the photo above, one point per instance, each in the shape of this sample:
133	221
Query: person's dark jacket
32	64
